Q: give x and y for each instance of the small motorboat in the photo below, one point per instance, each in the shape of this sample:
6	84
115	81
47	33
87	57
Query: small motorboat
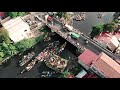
29	66
26	58
62	47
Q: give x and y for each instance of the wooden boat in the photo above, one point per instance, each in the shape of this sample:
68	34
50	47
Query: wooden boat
47	38
56	63
26	58
29	66
52	47
62	48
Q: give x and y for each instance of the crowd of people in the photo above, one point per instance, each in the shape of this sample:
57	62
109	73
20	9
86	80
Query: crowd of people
57	63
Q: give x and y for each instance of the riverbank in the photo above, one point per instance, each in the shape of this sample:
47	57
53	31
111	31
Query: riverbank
25	45
12	70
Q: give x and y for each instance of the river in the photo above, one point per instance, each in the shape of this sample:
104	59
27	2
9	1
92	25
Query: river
91	20
12	70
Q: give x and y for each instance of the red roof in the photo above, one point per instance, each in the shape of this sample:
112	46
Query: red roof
2	14
87	57
105	37
107	66
89	75
50	18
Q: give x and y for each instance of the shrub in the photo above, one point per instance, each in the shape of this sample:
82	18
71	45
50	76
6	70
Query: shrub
4	36
25	44
110	27
2	54
16	14
96	30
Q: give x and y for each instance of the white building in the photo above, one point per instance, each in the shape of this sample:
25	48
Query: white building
113	43
17	29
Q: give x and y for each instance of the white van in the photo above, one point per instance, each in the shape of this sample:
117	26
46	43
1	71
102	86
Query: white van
70	28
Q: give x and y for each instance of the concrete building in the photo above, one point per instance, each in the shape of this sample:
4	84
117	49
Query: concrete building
106	67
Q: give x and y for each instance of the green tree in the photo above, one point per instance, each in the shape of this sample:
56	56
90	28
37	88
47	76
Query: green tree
16	14
1	58
61	14
5	46
4	36
96	30
110	27
12	49
65	74
25	44
2	54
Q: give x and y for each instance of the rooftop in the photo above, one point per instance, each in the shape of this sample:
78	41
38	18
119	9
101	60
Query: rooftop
109	39
16	28
87	57
107	66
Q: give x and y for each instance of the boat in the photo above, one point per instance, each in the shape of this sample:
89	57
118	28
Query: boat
51	48
29	66
62	47
26	58
56	63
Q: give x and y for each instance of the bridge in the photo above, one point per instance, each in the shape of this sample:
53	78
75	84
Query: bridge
79	43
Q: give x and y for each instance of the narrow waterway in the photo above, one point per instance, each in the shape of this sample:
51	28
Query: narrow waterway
12	69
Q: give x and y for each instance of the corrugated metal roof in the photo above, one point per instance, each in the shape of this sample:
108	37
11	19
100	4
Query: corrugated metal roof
87	57
16	28
107	66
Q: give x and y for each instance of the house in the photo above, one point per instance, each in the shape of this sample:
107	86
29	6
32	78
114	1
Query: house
108	40
113	43
17	29
106	66
87	57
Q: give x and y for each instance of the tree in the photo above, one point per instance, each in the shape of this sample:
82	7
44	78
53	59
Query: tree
61	14
110	27
66	15
65	74
12	49
2	54
8	49
96	30
4	36
16	14
25	44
